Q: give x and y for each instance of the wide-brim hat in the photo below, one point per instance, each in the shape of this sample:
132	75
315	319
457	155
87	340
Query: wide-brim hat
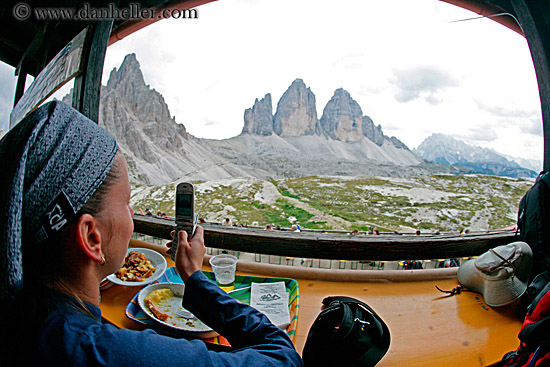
501	274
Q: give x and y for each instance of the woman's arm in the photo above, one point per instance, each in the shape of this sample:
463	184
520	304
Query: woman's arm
255	341
240	324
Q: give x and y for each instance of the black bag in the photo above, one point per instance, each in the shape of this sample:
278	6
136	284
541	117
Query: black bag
533	222
533	291
534	346
346	333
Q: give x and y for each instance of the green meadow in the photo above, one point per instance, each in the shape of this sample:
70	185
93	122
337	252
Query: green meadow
444	203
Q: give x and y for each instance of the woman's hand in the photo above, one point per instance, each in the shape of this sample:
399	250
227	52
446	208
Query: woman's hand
189	254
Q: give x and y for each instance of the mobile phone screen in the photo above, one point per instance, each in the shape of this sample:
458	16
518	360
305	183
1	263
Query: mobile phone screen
184	205
185	213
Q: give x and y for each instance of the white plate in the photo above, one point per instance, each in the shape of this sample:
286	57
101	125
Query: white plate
157	260
192	326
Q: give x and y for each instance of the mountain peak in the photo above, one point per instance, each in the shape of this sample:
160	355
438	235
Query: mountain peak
445	149
342	92
296	115
158	150
259	119
342	117
129	72
296	111
298	83
129	105
131	60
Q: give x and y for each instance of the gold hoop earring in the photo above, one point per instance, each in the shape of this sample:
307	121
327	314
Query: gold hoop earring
102	260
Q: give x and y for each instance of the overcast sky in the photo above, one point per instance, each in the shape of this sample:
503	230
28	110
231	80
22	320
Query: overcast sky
410	68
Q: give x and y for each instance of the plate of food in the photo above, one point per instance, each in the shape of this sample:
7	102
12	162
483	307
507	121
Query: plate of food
141	267
162	303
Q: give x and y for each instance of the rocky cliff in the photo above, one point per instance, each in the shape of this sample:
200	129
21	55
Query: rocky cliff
138	115
342	117
296	112
258	120
296	116
291	142
158	150
344	139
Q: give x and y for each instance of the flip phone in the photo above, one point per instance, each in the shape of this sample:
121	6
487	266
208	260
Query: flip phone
186	220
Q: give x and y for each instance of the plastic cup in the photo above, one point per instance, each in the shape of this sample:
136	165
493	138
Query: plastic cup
224	267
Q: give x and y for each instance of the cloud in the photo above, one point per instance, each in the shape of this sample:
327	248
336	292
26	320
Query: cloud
501	110
366	90
481	133
353	61
533	126
211	123
426	82
527	120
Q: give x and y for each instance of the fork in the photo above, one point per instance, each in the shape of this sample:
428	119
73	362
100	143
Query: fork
185	314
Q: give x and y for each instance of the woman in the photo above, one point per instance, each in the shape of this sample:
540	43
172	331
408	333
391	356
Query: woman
66	194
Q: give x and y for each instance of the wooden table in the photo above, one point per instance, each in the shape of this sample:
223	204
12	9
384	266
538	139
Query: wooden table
427	328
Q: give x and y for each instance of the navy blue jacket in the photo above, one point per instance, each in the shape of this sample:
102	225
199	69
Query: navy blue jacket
72	337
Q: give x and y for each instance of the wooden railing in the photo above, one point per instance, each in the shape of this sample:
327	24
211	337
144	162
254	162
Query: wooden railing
334	246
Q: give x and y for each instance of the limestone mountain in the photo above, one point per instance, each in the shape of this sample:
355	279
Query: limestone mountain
296	112
444	149
294	141
296	115
343	120
342	117
259	119
158	149
290	142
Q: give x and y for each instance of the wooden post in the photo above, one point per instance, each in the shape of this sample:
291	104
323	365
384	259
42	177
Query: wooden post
531	17
20	88
87	85
62	68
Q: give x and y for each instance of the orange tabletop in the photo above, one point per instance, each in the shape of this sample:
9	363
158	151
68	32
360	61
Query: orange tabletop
427	328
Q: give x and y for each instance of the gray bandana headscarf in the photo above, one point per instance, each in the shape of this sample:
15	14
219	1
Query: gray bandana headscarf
54	160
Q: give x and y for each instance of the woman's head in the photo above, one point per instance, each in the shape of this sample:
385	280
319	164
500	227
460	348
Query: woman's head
110	202
105	220
56	160
110	211
98	236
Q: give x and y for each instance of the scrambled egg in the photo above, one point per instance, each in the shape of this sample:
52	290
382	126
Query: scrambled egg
160	295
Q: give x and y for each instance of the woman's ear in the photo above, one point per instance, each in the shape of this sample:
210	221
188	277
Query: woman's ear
89	237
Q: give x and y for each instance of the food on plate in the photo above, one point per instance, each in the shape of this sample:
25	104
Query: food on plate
162	302
160	295
136	268
162	298
156	311
155	299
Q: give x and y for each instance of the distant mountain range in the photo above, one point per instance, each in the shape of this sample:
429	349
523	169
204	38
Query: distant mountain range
444	149
292	142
